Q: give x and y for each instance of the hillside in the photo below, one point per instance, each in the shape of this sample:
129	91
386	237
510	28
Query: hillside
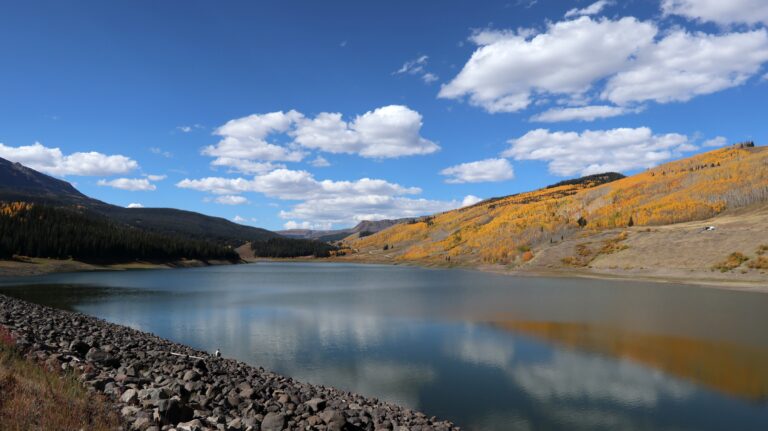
21	184
514	232
365	227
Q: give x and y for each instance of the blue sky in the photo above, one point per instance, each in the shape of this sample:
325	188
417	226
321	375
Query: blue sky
321	114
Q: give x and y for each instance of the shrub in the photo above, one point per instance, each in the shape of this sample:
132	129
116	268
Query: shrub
733	261
760	262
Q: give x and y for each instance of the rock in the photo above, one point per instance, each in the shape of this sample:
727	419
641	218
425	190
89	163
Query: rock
273	422
191	376
131	396
141	423
316	404
334	419
193	425
79	347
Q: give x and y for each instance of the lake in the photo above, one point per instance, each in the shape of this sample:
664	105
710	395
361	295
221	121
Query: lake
488	351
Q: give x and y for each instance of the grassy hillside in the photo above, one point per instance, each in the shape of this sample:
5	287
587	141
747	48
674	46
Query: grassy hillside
512	229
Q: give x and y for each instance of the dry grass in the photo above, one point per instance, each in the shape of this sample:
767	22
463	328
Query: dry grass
762	249
760	262
34	398
733	261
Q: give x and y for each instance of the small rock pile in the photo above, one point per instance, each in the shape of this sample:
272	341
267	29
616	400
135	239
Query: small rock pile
190	390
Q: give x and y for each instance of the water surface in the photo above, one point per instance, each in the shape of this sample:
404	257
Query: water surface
488	351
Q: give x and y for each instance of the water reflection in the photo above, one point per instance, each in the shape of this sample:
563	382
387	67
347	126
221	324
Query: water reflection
489	352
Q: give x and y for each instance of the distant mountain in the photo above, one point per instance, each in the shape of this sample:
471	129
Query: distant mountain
20	183
363	228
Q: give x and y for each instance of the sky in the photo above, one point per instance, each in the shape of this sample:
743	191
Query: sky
320	114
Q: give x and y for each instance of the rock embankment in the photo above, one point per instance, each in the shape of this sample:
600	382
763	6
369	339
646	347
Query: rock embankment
160	385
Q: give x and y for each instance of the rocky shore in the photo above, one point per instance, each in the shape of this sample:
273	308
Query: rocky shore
160	385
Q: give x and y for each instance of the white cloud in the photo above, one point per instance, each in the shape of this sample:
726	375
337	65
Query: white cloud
509	68
231	200
324	201
350	210
131	184
483	171
187	129
717	141
135	205
386	132
156	177
417	67
624	61
246	166
320	162
296	185
161	152
243	220
245	138
593	9
591	152
52	161
683	65
470	200
719	11
580	113
292	224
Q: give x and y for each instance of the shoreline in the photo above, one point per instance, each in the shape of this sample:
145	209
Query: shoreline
160	385
39	266
28	267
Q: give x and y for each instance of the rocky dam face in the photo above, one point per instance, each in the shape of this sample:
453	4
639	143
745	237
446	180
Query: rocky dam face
160	385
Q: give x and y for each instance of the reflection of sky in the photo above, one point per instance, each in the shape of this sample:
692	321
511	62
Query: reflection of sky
416	337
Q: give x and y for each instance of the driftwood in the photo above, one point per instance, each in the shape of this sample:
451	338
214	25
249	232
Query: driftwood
186	356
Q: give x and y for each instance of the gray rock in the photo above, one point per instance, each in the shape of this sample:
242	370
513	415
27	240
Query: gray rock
130	396
273	422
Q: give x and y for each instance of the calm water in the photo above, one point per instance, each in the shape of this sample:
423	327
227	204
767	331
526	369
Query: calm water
490	352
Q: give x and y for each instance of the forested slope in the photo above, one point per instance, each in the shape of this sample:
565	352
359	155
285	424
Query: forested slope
511	229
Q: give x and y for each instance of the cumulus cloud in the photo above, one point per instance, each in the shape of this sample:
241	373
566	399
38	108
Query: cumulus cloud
325	201
417	67
683	65
509	68
350	210
593	9
320	162
52	161
131	184
159	151
296	185
245	138
717	141
591	152
386	132
231	200
719	11
470	200
623	61
135	205
293	224
580	113
482	171
156	177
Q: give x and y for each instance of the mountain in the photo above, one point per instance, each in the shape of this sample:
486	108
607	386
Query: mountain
363	228
588	218
20	183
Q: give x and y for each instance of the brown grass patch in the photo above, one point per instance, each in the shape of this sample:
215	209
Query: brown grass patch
34	398
762	249
733	261
760	262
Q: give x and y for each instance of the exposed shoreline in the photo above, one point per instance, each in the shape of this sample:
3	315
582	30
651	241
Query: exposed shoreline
161	385
25	267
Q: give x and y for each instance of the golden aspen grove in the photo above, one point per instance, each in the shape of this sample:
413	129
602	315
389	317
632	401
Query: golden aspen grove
511	230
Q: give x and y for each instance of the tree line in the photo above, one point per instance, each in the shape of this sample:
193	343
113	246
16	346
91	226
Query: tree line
290	247
62	233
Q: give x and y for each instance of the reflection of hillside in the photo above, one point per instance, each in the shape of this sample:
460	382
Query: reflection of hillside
730	368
